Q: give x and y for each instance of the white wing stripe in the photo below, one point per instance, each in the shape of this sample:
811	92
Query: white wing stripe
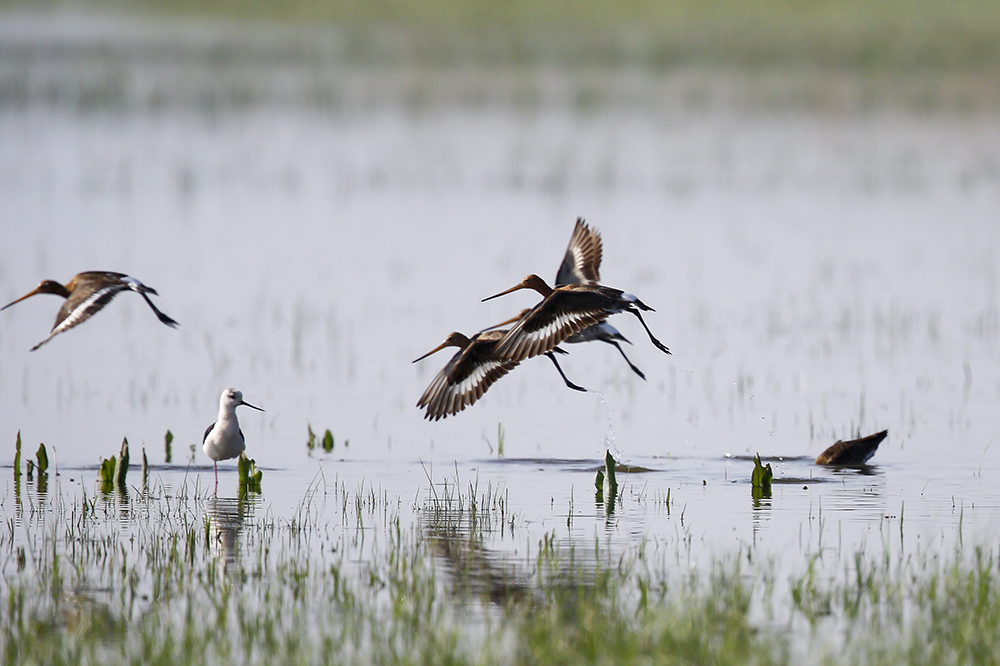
86	308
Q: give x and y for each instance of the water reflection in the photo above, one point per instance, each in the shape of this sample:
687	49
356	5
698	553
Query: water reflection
116	499
226	517
605	503
36	488
856	470
760	514
789	258
859	492
456	528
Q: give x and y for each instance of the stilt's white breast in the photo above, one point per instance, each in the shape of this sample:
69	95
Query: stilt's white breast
224	440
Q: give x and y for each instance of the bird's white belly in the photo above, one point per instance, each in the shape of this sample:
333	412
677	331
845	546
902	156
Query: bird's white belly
223	443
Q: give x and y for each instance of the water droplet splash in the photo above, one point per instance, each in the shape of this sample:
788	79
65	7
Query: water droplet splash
609	436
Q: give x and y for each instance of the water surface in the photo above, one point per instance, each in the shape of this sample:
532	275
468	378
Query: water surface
816	271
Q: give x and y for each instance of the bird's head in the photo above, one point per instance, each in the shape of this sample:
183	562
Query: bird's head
530	282
233	399
454	339
44	287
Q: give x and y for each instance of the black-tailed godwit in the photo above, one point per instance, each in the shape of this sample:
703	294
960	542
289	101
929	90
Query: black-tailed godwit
470	372
576	297
85	295
582	265
563	312
465	378
552	353
582	262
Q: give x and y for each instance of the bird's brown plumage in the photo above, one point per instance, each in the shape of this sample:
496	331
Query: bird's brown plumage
582	262
852	452
86	294
467	376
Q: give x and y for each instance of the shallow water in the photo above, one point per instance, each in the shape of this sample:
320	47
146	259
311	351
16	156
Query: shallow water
815	272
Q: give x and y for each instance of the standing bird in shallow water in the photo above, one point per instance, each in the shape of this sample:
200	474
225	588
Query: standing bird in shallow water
85	295
224	439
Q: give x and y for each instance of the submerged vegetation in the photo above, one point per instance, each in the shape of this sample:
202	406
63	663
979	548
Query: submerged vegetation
170	576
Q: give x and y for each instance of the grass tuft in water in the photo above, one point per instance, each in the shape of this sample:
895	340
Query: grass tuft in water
121	464
368	578
17	457
250	476
43	459
106	474
609	470
760	480
113	471
326	442
167	441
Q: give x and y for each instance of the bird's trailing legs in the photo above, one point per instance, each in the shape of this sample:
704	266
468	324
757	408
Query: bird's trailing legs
159	315
630	364
552	356
639	305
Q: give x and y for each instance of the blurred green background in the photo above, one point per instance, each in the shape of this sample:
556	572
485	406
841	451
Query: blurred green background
895	35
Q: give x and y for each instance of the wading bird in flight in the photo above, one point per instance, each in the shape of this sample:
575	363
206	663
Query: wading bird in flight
470	372
85	295
582	265
577	295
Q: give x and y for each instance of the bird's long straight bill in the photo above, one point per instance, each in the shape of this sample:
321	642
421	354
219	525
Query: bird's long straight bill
28	295
502	293
247	404
433	351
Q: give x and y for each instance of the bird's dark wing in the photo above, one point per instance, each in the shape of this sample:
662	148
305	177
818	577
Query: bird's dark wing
82	304
79	307
207	430
582	262
465	378
853	452
98	276
560	315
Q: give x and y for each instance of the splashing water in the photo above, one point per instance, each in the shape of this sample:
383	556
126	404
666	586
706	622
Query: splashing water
609	436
